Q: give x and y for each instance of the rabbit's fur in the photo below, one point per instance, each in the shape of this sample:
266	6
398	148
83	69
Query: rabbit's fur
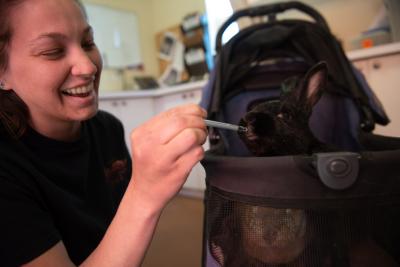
281	127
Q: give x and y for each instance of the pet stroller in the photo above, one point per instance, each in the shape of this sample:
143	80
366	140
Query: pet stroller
332	209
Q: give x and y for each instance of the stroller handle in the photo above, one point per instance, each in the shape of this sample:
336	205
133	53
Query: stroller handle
270	9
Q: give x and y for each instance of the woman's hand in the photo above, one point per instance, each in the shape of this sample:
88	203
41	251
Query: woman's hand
164	150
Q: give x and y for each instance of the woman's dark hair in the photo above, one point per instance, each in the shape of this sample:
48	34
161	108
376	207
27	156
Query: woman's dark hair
14	113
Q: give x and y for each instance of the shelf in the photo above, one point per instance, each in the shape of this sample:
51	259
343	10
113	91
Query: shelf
381	50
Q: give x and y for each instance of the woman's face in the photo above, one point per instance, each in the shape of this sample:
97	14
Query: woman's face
54	65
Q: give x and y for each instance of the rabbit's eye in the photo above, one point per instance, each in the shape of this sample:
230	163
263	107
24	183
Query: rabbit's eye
284	116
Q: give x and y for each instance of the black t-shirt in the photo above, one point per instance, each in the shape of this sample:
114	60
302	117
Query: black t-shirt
52	190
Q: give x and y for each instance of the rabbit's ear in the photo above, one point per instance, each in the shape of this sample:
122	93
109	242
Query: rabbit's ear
314	83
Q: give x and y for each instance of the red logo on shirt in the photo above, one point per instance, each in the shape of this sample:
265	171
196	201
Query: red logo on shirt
116	172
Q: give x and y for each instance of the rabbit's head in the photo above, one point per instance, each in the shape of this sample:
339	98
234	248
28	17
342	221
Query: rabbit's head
281	127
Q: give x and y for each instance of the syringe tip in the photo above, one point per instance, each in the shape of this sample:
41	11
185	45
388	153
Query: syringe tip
242	129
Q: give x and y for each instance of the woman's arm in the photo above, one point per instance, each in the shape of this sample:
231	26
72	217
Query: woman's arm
164	150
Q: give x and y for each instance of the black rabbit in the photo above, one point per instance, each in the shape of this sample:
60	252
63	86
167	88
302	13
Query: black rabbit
281	127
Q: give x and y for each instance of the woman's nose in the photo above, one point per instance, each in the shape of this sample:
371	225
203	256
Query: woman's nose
83	65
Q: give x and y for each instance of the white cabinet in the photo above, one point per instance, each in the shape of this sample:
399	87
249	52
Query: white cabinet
131	111
381	67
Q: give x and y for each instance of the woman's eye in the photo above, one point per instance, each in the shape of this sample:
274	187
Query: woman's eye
53	53
88	45
284	115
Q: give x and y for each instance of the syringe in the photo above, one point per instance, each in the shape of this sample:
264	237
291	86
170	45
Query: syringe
226	126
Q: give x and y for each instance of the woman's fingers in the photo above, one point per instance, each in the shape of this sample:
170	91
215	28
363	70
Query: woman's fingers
165	149
169	124
185	141
159	143
177	124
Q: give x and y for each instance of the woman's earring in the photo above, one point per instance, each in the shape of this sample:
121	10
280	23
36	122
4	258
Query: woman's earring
2	85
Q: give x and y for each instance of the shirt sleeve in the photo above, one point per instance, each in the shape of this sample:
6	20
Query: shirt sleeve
26	229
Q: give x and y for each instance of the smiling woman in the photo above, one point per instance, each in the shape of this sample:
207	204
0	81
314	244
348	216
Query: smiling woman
67	184
53	53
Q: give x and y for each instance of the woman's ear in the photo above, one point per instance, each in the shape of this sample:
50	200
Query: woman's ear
3	84
4	81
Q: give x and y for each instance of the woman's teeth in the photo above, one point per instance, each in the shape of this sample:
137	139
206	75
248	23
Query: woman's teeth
79	91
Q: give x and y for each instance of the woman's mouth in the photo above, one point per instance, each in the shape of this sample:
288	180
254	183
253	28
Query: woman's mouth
80	91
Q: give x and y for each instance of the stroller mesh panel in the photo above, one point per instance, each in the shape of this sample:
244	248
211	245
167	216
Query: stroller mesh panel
256	234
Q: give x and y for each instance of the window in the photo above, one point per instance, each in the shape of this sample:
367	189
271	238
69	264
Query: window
218	11
116	34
